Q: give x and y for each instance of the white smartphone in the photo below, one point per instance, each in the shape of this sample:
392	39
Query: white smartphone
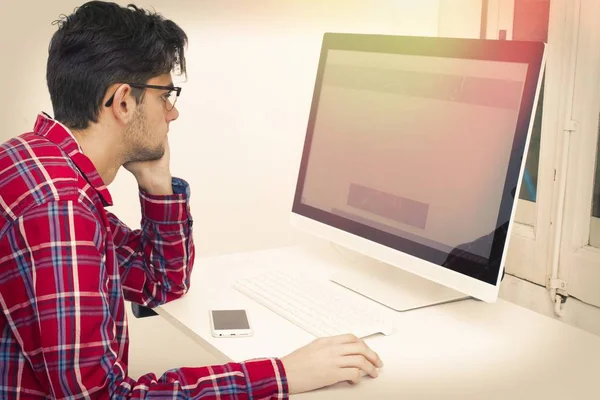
230	323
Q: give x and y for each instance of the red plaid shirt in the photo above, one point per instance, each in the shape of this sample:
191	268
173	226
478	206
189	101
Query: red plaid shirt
66	266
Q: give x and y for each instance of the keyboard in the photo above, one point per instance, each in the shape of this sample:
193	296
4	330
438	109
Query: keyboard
321	308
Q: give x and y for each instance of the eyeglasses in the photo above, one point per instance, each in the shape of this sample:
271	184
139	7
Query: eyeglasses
170	98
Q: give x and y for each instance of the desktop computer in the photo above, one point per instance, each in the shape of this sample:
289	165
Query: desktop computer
414	151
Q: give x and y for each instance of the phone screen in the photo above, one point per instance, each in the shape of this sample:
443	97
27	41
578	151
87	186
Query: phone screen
230	319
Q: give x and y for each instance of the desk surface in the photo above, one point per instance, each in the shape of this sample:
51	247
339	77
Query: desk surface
463	350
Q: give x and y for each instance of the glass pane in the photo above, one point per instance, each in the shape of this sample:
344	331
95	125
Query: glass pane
530	22
530	176
595	227
596	199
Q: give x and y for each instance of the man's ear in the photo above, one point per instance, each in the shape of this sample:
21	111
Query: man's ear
124	103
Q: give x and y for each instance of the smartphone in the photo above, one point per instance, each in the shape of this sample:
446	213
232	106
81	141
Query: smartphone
230	323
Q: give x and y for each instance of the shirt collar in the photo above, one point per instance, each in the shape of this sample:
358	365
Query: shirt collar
61	135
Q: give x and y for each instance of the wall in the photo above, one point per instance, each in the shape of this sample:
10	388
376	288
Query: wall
244	107
24	37
460	18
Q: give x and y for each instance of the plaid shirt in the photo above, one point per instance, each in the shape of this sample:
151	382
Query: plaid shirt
66	266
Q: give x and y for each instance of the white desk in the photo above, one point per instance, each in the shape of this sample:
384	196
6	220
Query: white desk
464	350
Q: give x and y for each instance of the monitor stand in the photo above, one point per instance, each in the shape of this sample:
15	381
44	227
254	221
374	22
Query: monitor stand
393	287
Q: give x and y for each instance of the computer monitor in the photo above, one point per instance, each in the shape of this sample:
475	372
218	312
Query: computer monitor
414	151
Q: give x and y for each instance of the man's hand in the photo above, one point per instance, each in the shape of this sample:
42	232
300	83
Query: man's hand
327	361
153	177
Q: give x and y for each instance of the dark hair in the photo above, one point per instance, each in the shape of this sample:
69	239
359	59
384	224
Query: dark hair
101	44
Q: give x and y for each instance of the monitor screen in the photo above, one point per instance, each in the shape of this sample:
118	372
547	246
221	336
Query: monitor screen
417	144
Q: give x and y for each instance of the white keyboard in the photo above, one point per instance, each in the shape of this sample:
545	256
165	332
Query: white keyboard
321	308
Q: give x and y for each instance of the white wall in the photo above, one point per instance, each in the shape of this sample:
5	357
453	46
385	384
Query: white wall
24	38
460	18
244	108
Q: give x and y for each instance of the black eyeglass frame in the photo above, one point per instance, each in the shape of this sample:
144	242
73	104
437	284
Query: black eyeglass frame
144	86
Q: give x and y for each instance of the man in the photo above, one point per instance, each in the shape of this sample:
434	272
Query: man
67	264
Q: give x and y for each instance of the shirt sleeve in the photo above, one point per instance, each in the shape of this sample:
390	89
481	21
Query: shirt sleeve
60	307
155	262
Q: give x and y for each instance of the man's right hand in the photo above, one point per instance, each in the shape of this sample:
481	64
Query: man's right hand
327	361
